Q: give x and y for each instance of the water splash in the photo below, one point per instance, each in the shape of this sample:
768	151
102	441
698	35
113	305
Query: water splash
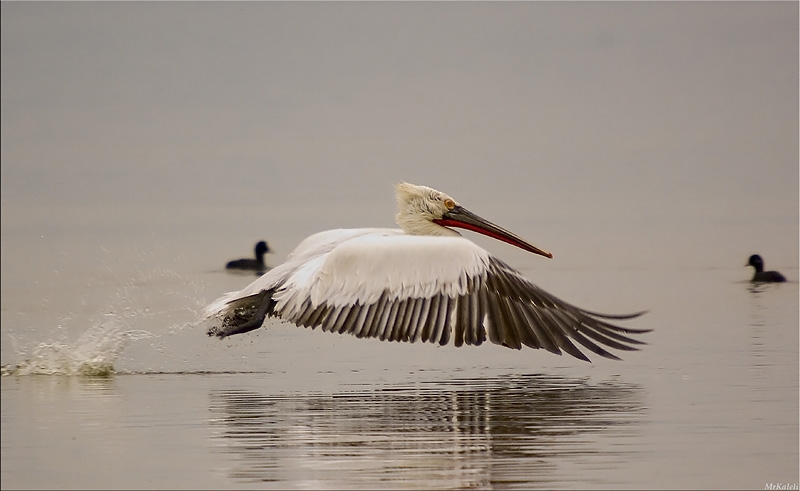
94	353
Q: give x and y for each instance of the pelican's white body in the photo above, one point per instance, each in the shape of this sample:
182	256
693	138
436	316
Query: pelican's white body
345	267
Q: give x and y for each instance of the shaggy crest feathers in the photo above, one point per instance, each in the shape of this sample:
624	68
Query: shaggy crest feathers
418	206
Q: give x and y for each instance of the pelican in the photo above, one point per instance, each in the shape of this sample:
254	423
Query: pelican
421	282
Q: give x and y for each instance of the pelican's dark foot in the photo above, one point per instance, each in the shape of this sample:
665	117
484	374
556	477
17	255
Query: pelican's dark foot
243	315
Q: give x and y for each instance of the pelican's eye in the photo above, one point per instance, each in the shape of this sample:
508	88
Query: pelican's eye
450	204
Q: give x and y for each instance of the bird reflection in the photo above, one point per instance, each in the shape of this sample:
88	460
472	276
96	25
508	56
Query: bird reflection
517	431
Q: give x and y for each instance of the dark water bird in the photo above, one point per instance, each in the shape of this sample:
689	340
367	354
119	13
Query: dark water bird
422	282
762	276
250	264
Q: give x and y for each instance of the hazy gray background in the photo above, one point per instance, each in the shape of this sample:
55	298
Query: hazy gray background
652	147
648	134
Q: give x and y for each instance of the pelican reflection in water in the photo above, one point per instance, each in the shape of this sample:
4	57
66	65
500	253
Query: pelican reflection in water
421	282
453	435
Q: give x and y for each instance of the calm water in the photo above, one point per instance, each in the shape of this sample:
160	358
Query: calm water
712	401
652	147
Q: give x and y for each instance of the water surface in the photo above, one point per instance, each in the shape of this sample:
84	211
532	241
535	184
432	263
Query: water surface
652	147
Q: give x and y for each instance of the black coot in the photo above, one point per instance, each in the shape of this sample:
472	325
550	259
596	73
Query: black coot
762	276
250	264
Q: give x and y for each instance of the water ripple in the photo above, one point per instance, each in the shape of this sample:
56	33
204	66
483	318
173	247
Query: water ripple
525	431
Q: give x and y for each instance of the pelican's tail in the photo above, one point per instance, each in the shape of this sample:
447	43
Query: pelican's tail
233	315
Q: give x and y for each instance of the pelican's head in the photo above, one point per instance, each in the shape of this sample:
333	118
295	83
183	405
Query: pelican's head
419	206
425	211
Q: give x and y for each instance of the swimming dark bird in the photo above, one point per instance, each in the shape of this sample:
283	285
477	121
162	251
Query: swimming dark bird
250	264
762	276
422	282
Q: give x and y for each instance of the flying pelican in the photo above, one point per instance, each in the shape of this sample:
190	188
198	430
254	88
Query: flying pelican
761	276
422	282
251	264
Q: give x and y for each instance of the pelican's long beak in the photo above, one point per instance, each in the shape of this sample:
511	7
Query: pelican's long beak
463	218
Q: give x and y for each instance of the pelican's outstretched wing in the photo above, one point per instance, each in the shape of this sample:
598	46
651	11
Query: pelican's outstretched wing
381	283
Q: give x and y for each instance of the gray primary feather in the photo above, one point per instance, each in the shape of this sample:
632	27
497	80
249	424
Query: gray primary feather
501	305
